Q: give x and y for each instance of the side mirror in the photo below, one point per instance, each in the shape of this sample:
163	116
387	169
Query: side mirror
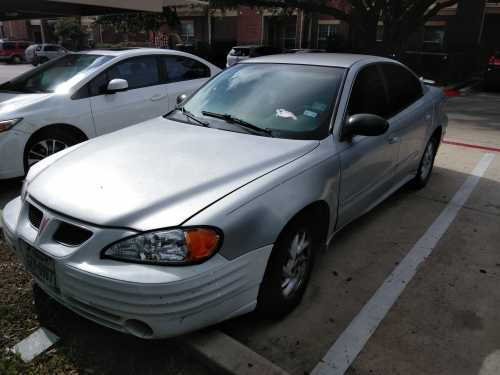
181	98
116	85
365	124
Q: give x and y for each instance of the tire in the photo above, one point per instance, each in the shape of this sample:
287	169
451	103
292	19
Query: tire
16	59
47	143
283	286
426	164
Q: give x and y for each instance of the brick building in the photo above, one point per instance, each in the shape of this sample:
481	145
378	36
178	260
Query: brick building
245	25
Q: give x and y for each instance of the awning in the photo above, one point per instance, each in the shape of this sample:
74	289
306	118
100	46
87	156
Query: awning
30	9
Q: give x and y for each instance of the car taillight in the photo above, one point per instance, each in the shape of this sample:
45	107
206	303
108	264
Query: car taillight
494	60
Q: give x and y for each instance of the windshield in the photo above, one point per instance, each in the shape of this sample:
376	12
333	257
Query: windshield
56	74
292	101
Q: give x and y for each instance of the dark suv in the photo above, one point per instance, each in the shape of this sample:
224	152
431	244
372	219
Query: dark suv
13	51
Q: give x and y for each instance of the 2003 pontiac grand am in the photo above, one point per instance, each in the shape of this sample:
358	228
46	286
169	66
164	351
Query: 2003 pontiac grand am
220	206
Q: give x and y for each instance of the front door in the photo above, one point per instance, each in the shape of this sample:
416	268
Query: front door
367	163
145	98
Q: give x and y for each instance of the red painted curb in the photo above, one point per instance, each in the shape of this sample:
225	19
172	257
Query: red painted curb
494	149
451	92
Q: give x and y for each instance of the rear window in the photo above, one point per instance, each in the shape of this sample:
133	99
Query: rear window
240	52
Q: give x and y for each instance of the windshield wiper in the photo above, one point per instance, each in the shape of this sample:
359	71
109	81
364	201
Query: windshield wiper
235	120
189	115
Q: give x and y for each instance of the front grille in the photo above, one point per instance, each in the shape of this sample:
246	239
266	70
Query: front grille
71	235
35	216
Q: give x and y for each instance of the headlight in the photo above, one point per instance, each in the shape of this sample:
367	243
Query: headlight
167	247
7	124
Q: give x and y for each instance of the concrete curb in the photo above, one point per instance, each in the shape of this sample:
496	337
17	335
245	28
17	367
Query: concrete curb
227	356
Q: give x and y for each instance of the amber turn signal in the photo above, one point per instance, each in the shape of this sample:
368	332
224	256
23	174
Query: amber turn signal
201	243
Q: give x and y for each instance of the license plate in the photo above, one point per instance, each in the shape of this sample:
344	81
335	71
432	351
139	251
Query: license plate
41	266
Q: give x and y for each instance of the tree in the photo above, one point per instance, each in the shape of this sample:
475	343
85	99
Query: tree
400	17
139	21
70	31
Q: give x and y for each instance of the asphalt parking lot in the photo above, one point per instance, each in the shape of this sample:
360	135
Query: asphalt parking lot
8	71
445	321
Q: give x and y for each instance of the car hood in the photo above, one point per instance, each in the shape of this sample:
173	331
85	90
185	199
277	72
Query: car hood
158	173
12	102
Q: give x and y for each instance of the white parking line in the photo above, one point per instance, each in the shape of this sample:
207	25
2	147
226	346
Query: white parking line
35	344
350	343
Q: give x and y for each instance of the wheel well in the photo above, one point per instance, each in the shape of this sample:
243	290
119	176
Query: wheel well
61	127
319	212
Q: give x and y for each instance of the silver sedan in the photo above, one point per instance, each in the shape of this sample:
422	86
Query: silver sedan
220	206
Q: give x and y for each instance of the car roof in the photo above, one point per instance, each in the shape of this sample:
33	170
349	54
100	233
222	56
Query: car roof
341	60
250	46
132	51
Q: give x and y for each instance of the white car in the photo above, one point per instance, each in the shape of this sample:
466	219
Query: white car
41	53
83	95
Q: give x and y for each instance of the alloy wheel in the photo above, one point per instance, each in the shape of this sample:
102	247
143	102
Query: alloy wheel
427	160
44	148
296	264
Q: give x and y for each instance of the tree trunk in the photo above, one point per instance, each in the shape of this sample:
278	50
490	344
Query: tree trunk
363	32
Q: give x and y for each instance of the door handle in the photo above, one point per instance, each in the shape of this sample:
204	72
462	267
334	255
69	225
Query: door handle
156	97
393	140
428	116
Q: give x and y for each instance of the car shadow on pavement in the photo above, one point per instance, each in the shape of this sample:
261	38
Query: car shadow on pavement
91	348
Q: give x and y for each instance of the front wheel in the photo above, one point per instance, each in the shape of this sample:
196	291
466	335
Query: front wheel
426	164
288	270
47	143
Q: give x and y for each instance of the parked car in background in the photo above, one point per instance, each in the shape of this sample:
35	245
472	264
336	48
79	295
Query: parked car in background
492	75
220	207
305	50
240	53
13	51
82	95
41	53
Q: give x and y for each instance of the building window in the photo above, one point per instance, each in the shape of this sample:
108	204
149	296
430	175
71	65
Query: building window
380	33
326	32
434	38
289	36
187	31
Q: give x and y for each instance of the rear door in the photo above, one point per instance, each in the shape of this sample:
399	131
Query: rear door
182	75
411	116
367	163
145	98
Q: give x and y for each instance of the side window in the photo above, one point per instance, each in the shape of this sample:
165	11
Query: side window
138	71
51	48
180	68
368	94
9	46
403	87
